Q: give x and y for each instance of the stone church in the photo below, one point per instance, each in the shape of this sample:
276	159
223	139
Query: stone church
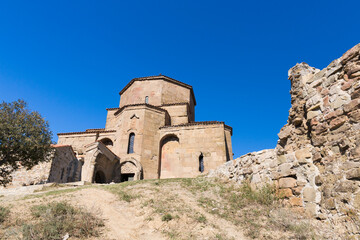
152	134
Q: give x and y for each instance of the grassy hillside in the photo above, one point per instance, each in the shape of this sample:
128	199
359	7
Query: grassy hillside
200	208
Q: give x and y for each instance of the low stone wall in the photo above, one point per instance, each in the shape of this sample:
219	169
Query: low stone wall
316	163
37	175
63	167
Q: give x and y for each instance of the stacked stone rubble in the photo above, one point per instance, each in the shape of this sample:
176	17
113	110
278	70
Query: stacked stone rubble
316	163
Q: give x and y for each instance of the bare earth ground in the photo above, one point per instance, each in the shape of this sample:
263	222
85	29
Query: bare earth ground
198	209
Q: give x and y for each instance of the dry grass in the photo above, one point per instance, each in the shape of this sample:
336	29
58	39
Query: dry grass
52	221
257	212
4	213
55	220
174	208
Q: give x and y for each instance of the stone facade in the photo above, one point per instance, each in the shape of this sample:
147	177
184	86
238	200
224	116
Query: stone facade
152	134
316	163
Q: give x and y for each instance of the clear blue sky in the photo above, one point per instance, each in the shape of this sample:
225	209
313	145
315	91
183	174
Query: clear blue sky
70	59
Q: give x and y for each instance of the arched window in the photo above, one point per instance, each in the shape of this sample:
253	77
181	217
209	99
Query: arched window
107	141
131	143
201	163
146	99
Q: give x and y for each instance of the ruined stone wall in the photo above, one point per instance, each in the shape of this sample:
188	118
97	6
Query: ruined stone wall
63	167
316	163
37	175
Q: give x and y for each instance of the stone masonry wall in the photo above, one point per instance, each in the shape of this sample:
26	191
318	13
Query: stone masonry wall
63	167
316	163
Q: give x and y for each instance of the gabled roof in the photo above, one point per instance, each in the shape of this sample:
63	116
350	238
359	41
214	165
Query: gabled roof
138	104
160	77
88	132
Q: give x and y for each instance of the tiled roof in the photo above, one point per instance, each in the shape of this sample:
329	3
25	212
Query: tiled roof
173	104
94	129
87	132
139	104
160	77
59	145
199	123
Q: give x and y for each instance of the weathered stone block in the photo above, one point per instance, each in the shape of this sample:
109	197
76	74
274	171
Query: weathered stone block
338	103
303	154
284	133
345	186
337	122
357	201
309	194
295	201
355	94
287	182
330	203
310	208
333	114
347	85
285	193
355	115
297	191
285	170
318	140
355	152
318	180
312	114
353	105
353	174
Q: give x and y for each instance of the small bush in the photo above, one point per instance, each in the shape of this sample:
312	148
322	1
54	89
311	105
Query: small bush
167	217
55	220
201	219
4	213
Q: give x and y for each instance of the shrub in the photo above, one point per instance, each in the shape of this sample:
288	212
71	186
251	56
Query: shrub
55	220
167	217
4	213
201	219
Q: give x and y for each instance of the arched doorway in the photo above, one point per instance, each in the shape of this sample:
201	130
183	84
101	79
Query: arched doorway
100	177
103	169
130	169
170	162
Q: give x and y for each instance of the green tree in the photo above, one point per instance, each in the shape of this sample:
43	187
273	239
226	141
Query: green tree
25	138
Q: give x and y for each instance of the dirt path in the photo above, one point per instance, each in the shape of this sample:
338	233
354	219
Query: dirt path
227	227
121	220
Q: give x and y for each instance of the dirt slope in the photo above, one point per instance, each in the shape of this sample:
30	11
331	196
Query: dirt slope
173	209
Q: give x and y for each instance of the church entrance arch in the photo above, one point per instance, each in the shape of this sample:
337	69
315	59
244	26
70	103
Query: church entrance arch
103	171
130	170
170	162
100	177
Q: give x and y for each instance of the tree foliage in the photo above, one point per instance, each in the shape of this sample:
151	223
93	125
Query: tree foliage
25	138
